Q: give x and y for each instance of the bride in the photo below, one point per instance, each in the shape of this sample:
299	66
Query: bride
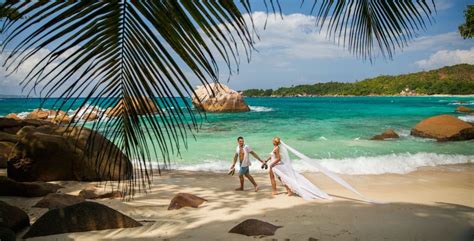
281	167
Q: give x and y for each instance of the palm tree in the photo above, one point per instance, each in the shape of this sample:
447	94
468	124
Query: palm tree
110	51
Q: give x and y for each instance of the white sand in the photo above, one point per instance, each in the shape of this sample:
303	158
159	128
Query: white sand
434	203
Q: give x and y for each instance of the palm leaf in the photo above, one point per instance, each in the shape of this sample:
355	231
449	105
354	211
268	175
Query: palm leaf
120	51
371	27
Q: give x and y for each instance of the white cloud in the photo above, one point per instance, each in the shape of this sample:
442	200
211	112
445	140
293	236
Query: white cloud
11	78
19	74
14	76
295	37
437	42
443	4
447	57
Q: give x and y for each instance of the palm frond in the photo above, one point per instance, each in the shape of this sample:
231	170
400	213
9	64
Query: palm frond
126	52
371	27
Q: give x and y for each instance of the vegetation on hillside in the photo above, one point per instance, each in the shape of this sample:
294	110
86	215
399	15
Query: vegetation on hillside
457	79
467	28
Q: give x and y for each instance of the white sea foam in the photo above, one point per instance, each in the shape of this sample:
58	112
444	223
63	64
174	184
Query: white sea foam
462	103
22	115
467	118
403	132
260	109
394	163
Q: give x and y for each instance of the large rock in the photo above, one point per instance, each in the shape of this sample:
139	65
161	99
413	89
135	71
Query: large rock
142	105
91	116
12	126
92	193
6	151
82	217
61	118
444	128
12	217
38	114
8	123
464	109
388	134
218	98
7	234
254	227
13	116
8	137
9	187
87	113
48	153
58	200
185	200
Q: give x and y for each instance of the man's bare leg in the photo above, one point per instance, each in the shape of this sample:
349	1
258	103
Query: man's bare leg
252	181
241	188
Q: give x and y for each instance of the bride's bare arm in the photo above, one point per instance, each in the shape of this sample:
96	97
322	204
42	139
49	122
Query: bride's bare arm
277	157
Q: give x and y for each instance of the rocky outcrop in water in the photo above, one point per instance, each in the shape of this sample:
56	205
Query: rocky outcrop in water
142	106
388	134
46	152
464	109
218	98
444	128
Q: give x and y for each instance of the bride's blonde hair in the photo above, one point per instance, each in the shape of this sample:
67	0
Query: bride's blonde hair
277	140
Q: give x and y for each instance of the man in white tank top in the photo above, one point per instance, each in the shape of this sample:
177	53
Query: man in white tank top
242	153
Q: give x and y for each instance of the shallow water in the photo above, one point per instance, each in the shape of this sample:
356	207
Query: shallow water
333	130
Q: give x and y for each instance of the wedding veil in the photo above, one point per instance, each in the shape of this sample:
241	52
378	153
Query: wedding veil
284	148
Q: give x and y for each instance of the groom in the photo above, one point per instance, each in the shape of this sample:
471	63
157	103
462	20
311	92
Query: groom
242	153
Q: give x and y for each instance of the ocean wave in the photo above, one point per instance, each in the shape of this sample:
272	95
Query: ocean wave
365	165
461	103
22	115
467	118
260	109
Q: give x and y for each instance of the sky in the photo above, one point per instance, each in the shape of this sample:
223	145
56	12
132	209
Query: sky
292	51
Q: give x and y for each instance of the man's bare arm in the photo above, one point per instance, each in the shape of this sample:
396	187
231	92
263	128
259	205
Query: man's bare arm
256	156
235	160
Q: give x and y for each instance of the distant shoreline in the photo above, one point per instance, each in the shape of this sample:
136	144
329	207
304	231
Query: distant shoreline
315	96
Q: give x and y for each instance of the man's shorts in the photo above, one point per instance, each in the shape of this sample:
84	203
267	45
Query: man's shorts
243	170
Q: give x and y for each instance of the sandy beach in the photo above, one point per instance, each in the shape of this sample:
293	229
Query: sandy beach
433	203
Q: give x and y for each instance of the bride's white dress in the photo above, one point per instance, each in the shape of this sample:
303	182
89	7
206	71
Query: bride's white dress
297	182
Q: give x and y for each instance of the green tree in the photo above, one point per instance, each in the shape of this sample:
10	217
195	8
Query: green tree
457	79
467	28
124	49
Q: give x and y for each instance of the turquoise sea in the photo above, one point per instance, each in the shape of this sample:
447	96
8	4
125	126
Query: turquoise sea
333	130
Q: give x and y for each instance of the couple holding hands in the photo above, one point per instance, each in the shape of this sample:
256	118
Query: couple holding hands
281	166
277	165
